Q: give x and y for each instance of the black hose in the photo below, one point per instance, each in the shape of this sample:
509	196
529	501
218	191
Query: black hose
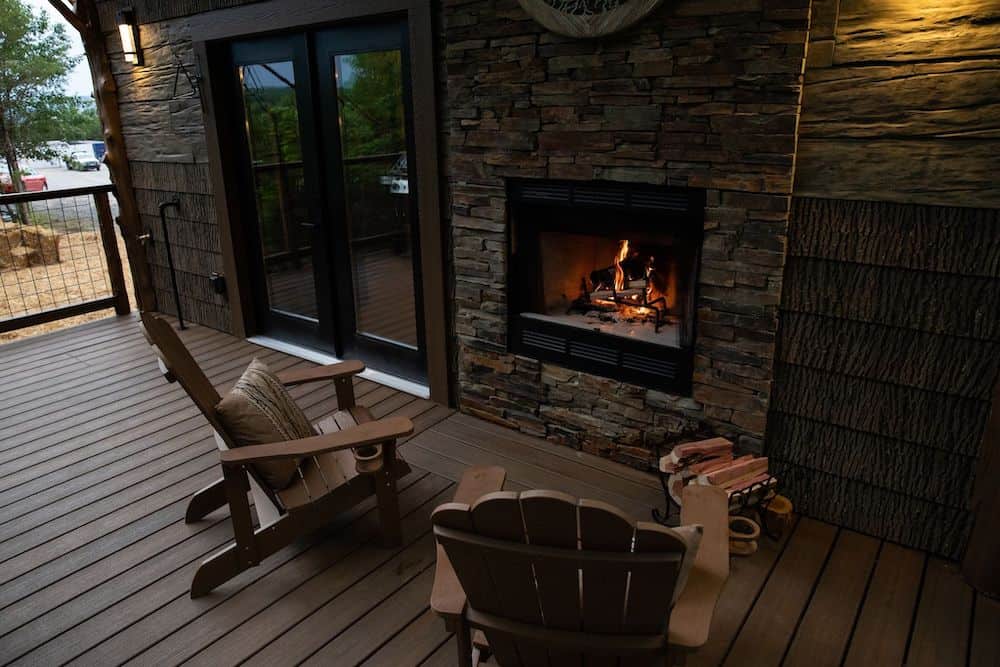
170	258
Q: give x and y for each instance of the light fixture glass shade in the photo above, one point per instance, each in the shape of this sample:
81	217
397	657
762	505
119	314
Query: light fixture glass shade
128	30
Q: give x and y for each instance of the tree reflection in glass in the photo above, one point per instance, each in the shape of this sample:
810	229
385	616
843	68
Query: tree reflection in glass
286	230
376	183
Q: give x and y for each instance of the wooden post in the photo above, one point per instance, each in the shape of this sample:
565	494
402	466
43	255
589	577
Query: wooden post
110	241
87	22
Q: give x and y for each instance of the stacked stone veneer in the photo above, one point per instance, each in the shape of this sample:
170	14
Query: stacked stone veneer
702	94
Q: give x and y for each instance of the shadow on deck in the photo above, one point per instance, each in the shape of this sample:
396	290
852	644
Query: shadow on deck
99	456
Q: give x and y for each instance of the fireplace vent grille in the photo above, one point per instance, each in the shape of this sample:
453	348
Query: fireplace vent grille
553	192
544	341
661	201
599	354
621	196
599	196
644	364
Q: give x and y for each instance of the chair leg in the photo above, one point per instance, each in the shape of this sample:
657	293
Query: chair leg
388	508
206	501
463	638
388	500
215	571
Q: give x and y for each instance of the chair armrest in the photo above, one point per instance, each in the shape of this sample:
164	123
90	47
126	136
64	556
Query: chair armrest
447	596
364	434
691	617
295	376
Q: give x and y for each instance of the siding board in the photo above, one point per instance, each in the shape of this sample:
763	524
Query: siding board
947	364
942	421
940	303
945	240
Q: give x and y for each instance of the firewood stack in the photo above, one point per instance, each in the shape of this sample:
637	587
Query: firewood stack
711	462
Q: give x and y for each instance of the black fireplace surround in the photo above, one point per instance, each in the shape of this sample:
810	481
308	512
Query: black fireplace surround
602	278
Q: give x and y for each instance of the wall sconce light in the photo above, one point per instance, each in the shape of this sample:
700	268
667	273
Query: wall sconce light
128	29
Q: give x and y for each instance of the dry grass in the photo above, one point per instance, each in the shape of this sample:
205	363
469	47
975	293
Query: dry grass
80	275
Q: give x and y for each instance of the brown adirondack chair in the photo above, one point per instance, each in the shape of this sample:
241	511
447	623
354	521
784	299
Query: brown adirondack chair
551	580
328	479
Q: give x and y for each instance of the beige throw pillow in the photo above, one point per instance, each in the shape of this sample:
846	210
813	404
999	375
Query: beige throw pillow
691	535
259	410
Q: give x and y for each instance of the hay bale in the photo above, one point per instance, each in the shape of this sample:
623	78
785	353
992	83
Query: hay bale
10	238
24	257
47	243
41	239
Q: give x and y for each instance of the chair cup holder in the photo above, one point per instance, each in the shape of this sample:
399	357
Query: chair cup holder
368	458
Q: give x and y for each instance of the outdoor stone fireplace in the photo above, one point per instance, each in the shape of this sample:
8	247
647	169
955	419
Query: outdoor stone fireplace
701	98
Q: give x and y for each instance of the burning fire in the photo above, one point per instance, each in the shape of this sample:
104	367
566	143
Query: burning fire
619	271
632	287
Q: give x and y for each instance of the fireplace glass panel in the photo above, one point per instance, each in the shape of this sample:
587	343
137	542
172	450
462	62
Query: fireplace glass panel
603	278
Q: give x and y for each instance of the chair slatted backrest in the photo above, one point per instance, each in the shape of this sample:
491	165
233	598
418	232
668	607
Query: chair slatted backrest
554	581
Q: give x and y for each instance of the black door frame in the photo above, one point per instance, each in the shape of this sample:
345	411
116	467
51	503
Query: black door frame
210	33
293	48
329	43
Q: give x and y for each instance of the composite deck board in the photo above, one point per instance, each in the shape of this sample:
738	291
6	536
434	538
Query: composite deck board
444	656
941	629
771	624
99	456
985	648
821	638
325	598
883	627
416	641
746	579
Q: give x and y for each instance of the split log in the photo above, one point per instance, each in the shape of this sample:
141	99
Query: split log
741	470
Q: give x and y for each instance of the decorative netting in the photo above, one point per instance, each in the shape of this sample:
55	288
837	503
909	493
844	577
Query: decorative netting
584	7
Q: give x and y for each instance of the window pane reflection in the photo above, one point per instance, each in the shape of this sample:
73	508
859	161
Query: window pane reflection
286	230
373	137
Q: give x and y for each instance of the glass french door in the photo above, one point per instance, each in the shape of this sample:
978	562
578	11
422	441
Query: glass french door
327	120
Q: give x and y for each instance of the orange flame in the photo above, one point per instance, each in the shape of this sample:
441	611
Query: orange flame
619	271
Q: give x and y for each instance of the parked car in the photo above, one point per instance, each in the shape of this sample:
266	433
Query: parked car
82	161
30	182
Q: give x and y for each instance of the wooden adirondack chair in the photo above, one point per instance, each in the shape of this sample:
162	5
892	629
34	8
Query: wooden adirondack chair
328	479
551	580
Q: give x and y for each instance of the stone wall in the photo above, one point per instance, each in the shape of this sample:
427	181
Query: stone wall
703	93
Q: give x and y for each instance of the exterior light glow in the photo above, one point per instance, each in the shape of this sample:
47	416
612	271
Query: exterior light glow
128	30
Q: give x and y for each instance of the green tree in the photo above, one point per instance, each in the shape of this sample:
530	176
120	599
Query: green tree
34	62
69	119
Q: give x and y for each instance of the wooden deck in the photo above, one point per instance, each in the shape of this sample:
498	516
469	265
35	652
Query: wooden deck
99	455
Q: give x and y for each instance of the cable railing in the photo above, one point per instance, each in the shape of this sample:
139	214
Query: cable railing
59	256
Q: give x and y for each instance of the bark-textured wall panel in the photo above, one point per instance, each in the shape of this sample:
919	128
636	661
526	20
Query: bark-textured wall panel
887	463
888	348
869	509
932	419
948	364
171	177
901	102
936	302
943	240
